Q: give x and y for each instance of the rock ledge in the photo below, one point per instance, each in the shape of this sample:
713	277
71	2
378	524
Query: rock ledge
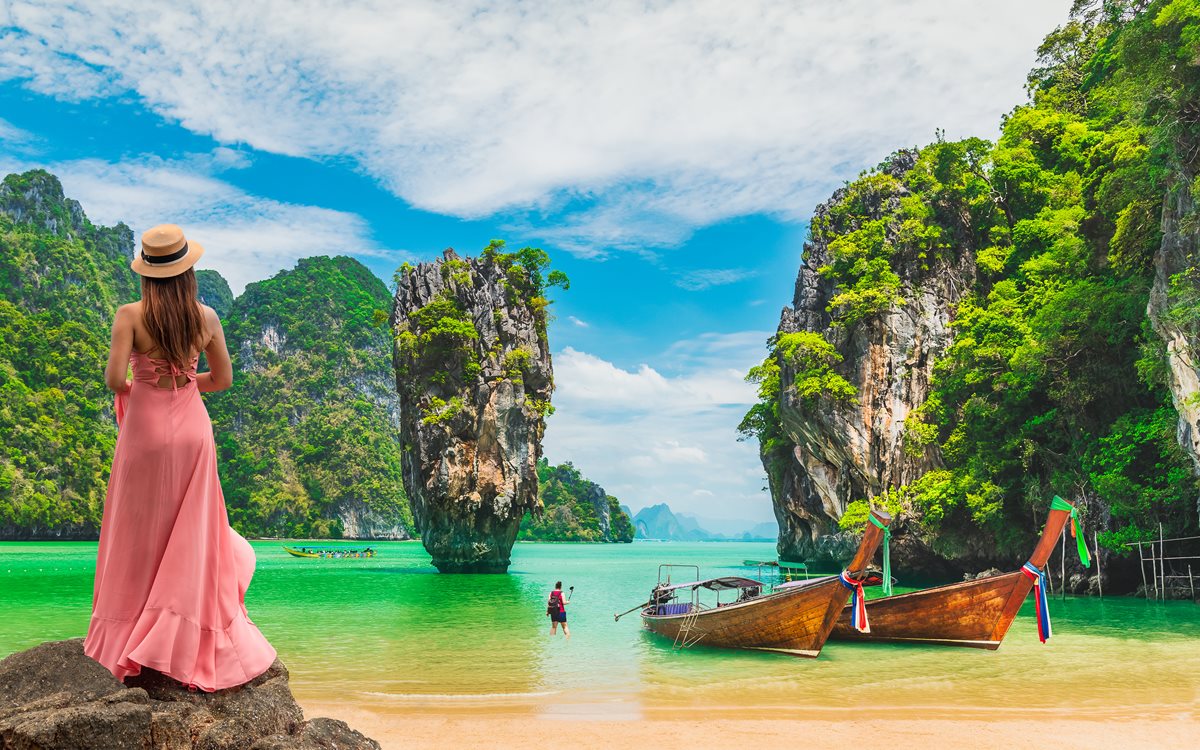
54	697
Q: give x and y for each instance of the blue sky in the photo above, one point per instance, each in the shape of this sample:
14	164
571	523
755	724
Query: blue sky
667	155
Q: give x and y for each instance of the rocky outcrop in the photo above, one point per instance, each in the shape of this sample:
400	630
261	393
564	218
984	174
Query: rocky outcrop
54	697
362	522
1176	282
840	453
36	198
474	376
213	290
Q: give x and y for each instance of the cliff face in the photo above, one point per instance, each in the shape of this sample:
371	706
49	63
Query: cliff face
36	199
1176	287
474	376
61	279
843	452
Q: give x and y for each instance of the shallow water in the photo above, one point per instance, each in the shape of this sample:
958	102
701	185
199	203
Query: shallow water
393	636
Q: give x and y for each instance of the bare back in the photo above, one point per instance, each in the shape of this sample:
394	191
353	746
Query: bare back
131	335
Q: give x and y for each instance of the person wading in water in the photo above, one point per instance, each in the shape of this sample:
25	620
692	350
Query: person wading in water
556	608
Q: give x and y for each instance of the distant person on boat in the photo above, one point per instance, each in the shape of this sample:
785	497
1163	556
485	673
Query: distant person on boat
171	574
556	608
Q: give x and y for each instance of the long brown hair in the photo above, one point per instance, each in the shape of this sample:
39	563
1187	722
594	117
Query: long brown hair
173	316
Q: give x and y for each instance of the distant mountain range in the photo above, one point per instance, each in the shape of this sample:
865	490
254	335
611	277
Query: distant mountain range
660	522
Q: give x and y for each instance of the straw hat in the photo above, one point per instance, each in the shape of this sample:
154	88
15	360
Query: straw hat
166	252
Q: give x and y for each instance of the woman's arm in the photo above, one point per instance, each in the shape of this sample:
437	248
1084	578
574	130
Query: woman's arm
116	374
220	369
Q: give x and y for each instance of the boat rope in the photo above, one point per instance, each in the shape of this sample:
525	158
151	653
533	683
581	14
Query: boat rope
1038	576
887	554
1059	504
858	603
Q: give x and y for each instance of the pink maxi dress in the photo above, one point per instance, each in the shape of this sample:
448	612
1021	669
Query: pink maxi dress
171	573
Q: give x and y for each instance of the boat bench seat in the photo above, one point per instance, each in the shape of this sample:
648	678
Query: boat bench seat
675	609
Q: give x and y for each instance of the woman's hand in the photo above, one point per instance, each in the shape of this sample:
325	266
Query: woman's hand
220	369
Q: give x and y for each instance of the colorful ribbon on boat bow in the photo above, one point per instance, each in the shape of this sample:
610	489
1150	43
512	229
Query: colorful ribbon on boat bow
887	554
858	603
1059	504
1039	598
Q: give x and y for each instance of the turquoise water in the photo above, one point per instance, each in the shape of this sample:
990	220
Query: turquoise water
392	635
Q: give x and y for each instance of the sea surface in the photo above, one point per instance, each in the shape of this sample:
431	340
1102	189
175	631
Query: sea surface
392	636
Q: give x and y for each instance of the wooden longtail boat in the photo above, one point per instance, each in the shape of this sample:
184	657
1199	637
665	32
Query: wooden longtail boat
794	618
329	553
299	553
975	613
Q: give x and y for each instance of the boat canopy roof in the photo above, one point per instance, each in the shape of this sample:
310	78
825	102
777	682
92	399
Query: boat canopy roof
717	584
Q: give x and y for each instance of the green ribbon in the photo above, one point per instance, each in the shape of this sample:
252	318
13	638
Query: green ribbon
1059	504
887	554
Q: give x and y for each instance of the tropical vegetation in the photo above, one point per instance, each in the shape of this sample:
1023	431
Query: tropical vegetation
61	279
574	509
1055	381
309	434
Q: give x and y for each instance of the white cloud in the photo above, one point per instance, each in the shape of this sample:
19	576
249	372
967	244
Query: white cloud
10	134
674	452
705	278
649	437
246	237
641	121
578	323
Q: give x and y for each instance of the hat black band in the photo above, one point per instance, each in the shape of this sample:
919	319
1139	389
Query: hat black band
158	259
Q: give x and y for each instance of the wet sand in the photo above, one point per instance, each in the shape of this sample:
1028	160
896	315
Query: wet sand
835	729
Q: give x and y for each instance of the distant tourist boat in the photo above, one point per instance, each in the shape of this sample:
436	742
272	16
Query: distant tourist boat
789	570
975	613
332	553
793	618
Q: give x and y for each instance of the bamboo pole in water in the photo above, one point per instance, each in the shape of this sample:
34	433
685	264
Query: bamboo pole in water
1154	569
1162	560
1099	573
1142	565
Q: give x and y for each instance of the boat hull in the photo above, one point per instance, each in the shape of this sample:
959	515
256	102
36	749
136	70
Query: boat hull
298	553
975	614
793	621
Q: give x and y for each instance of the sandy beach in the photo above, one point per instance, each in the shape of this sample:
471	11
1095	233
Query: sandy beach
432	731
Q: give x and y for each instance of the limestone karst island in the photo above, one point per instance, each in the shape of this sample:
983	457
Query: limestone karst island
613	375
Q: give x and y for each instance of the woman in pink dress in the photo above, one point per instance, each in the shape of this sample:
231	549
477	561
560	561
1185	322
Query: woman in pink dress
171	574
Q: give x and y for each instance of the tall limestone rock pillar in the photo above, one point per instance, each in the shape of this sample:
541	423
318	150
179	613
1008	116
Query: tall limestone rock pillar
474	376
842	452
